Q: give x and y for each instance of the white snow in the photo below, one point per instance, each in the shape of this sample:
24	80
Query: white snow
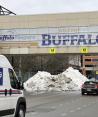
77	78
71	79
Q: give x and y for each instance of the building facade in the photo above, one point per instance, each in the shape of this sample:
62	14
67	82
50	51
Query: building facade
65	33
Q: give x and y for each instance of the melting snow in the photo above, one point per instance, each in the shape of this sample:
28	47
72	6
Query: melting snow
71	79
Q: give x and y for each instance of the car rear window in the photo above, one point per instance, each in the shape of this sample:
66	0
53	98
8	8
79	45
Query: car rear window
91	82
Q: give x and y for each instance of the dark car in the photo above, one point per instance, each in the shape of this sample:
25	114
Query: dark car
89	87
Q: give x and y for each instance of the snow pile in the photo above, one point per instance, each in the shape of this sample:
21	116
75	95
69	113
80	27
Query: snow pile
38	82
71	79
77	78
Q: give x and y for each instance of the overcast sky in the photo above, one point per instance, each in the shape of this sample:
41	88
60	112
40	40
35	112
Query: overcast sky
49	6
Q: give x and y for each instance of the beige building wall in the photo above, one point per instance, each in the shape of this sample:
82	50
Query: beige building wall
45	20
49	20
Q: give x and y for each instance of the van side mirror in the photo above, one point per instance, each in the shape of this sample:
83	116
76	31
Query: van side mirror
21	87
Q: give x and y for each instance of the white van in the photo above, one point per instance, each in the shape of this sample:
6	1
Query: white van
12	101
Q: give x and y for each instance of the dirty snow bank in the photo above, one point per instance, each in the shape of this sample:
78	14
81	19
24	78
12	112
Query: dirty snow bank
71	79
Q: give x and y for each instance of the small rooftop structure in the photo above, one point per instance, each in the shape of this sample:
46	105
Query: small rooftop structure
4	11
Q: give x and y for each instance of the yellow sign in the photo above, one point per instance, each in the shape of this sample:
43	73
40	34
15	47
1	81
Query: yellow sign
52	51
96	72
84	50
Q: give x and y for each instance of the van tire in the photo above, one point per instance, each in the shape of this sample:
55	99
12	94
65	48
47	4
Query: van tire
21	111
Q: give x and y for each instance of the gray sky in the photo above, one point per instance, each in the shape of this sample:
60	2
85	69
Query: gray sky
49	6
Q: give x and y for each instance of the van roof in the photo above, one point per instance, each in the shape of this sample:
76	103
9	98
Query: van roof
4	62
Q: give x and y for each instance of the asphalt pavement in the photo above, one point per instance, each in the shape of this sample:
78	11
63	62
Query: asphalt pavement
61	104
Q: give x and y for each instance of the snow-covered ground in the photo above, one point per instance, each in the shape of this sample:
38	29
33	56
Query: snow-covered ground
71	79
